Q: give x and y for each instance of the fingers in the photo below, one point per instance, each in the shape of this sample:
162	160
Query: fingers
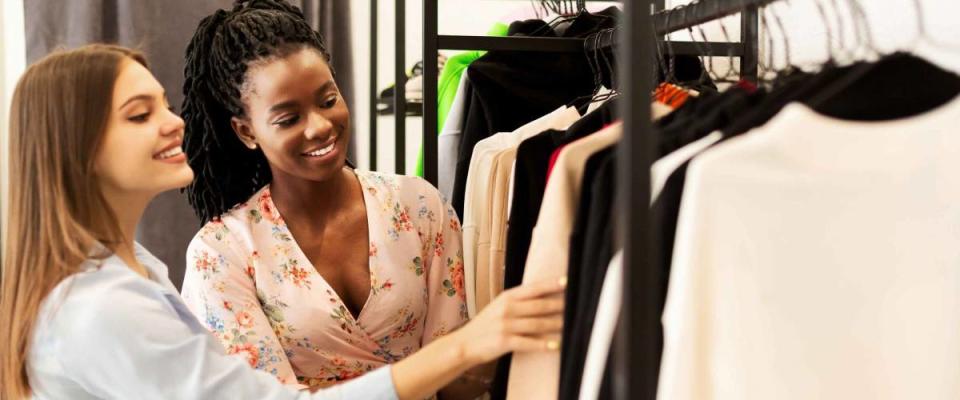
538	289
536	307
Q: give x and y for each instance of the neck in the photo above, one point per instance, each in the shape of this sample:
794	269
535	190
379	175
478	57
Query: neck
312	200
127	208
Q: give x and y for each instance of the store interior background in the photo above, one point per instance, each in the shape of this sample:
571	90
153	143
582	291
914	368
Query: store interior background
892	22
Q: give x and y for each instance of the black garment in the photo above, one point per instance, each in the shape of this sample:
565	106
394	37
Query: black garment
862	91
707	117
529	183
696	121
511	89
591	249
887	89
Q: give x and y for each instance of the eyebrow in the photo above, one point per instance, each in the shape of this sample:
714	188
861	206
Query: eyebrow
144	97
292	104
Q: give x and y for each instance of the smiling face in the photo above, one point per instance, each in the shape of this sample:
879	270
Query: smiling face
141	151
296	115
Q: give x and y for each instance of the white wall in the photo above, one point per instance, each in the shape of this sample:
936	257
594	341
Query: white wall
893	25
12	62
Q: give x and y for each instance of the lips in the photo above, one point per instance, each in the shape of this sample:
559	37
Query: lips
321	151
172	150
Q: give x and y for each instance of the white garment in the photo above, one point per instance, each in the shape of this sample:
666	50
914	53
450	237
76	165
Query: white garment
611	294
818	259
661	170
604	326
448	143
476	188
108	333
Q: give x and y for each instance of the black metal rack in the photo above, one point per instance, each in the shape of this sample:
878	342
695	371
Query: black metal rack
636	353
400	78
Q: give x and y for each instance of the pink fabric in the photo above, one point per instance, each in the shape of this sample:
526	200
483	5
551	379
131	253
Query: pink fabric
553	160
253	287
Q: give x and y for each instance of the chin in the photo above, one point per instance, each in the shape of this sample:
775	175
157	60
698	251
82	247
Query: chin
178	180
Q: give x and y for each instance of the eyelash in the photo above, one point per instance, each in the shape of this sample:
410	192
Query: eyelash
288	122
140	118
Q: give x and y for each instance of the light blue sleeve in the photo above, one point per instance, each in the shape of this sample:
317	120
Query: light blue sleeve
129	339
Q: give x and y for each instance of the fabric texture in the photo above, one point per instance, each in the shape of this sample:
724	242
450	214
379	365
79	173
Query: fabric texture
257	292
667	177
108	333
834	236
591	249
601	334
548	254
528	181
481	191
162	30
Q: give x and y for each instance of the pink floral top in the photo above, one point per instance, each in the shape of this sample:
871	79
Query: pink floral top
253	287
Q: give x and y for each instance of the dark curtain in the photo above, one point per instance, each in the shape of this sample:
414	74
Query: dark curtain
162	29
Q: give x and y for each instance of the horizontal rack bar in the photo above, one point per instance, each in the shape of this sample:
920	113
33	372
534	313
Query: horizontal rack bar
514	43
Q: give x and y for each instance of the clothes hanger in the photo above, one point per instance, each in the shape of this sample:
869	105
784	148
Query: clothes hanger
923	35
731	74
789	70
566	11
614	87
594	50
595	74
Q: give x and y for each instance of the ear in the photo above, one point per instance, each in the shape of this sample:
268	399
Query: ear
241	126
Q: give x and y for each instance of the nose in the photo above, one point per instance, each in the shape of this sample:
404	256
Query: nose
318	126
174	125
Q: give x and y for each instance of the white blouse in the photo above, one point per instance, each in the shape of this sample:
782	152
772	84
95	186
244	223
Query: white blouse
109	333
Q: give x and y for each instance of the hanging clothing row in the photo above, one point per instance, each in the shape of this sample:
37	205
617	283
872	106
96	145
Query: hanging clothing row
807	237
806	228
512	154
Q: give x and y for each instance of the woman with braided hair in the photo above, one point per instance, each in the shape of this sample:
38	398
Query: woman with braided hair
87	313
315	271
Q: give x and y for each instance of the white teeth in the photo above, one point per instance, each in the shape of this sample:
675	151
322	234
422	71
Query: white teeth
176	151
322	152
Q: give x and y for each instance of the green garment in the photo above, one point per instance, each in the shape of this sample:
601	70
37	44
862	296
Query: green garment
450	80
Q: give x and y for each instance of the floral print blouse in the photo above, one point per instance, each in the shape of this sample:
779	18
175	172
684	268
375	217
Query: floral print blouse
249	282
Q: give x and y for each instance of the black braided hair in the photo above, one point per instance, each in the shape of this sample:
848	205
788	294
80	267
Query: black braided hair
225	43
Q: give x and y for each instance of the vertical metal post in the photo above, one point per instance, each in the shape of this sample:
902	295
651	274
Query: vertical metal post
430	74
637	343
400	87
373	84
750	37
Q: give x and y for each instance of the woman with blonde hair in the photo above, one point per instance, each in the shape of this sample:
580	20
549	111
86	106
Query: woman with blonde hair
87	313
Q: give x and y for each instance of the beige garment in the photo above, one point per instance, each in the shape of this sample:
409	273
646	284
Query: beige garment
548	256
477	194
499	218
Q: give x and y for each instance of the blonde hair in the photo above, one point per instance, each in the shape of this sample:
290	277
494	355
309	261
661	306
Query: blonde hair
57	214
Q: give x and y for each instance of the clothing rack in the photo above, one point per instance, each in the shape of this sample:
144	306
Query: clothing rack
667	21
635	353
634	367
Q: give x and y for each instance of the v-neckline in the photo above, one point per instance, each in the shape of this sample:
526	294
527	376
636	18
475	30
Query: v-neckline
282	223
